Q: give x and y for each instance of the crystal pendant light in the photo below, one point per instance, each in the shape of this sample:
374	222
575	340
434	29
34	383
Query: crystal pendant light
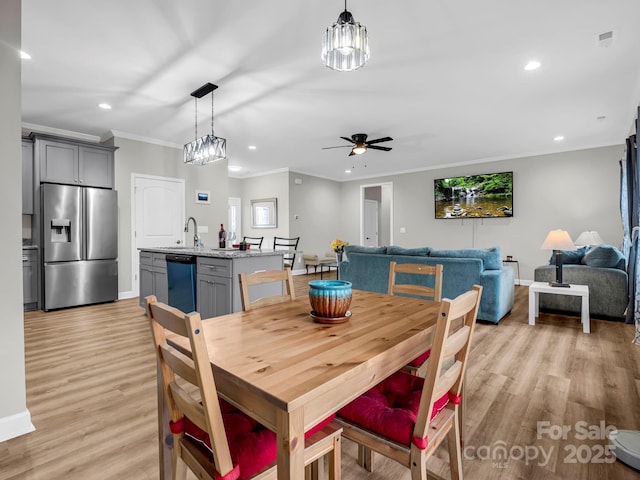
345	45
209	148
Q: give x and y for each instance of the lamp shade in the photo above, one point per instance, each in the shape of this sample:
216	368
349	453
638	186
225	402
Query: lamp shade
590	238
345	45
558	240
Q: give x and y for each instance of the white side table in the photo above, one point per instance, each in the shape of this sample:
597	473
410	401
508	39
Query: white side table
576	290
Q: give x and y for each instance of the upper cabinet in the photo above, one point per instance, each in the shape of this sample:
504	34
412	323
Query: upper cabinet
75	163
27	177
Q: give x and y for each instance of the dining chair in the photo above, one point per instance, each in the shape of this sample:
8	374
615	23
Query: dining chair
406	417
265	277
255	241
289	244
418	366
211	437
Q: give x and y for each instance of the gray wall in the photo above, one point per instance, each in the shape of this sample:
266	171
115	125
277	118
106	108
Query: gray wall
14	416
139	157
275	185
575	191
316	203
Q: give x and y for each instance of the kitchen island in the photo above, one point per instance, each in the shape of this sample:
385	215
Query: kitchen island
217	272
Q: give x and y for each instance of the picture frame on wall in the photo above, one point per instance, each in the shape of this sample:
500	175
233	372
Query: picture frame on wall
264	213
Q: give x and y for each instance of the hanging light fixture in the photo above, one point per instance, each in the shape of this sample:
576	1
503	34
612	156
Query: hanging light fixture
209	148
345	45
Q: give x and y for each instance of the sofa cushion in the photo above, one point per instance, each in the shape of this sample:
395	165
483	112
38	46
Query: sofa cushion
604	256
420	251
251	445
362	249
570	257
491	257
391	407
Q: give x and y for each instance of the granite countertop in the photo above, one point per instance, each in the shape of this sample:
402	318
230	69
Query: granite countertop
214	252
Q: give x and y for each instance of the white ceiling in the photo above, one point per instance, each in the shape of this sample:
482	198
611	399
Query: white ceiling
445	78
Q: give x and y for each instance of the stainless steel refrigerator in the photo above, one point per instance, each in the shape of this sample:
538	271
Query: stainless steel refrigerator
80	249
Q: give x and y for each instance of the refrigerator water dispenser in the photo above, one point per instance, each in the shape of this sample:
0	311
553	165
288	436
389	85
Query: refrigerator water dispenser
60	230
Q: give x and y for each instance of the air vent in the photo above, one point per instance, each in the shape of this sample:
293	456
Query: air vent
605	39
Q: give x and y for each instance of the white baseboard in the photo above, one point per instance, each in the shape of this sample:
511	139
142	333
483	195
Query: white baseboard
15	425
123	295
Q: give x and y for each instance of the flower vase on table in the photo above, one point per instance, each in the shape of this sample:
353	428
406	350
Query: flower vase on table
338	246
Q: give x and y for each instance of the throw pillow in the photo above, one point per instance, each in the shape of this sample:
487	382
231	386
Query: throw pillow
395	250
491	257
603	256
570	257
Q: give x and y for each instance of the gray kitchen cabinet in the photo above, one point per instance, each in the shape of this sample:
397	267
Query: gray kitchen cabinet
27	177
96	167
153	277
73	163
213	286
30	279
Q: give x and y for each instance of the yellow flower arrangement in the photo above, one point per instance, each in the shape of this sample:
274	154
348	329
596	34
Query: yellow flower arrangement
338	245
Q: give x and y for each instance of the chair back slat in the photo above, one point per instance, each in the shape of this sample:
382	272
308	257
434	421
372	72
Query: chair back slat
438	381
169	318
205	410
179	363
434	293
280	243
266	276
256	241
456	341
447	379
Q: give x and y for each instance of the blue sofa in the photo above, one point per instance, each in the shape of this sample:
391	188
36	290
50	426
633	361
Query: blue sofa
367	268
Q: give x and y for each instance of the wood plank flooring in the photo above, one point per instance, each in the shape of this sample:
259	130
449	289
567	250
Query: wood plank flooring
90	374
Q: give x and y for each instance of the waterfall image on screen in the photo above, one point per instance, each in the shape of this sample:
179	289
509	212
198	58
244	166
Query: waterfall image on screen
475	196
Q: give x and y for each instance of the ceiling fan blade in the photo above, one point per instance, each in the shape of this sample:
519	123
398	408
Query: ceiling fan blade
376	147
347	139
378	140
339	146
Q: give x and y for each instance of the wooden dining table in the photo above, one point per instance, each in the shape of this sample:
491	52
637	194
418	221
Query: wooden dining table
288	372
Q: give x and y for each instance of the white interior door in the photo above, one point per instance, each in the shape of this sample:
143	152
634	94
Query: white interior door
370	223
235	218
158	215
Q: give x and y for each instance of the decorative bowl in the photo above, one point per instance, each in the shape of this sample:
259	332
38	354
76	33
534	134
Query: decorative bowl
330	298
239	246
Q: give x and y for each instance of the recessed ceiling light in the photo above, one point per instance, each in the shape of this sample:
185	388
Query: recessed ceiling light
347	171
252	147
104	106
558	138
25	55
234	168
532	65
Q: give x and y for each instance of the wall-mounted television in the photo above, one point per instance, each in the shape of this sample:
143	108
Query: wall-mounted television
488	195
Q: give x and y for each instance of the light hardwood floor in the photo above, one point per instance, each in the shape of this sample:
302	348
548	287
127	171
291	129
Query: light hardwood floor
90	375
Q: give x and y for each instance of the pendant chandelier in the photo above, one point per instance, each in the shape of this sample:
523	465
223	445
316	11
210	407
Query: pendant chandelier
209	148
345	45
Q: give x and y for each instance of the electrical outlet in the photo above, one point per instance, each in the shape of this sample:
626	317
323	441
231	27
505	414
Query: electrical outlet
403	230
203	229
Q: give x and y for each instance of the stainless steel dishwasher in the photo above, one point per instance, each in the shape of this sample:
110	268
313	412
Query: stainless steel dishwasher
181	279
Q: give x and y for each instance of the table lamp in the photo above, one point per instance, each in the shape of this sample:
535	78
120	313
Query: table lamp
590	238
558	240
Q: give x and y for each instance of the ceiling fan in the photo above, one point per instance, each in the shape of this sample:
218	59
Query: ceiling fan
360	144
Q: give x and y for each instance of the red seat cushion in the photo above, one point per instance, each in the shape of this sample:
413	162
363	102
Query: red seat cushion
419	360
252	446
391	407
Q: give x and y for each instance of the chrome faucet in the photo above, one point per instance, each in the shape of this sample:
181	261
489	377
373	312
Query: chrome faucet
196	238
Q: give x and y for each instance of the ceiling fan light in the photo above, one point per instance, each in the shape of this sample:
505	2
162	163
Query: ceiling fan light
359	149
345	45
